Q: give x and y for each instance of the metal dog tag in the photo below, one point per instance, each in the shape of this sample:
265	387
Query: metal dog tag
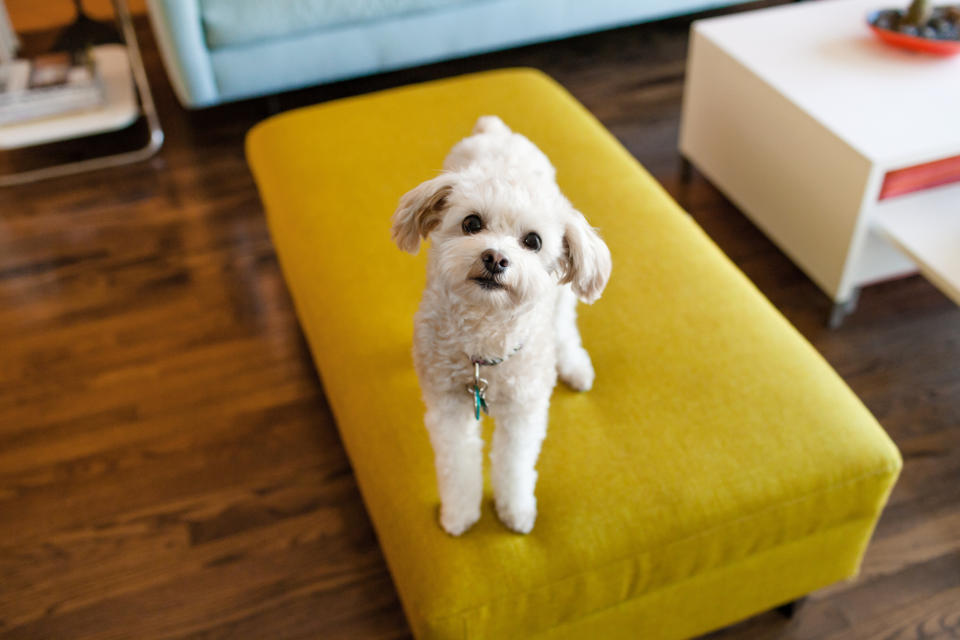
478	390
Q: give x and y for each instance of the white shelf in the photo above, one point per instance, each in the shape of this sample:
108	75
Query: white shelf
120	109
926	226
898	108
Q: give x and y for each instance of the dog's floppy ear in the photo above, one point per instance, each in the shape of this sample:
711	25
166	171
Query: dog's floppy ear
420	210
586	261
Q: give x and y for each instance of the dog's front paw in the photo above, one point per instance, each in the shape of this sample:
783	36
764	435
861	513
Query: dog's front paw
456	521
576	370
518	517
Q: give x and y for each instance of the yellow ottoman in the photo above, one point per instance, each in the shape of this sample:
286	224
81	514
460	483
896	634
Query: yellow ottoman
719	467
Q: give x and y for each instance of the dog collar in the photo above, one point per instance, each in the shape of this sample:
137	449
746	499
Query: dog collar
490	362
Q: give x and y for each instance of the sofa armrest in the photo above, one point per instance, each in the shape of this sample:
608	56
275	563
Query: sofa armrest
178	28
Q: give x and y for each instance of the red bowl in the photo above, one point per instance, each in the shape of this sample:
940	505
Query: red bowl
913	43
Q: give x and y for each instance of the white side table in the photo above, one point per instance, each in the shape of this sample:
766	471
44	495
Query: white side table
117	63
119	110
797	114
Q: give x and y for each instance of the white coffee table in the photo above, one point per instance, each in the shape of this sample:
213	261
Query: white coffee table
797	113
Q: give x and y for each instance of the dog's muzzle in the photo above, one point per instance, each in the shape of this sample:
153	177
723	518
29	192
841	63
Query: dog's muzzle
494	262
488	282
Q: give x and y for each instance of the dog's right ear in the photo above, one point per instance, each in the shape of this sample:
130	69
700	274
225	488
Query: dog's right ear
420	210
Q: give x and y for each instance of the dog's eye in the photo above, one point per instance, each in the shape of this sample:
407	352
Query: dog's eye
532	241
472	224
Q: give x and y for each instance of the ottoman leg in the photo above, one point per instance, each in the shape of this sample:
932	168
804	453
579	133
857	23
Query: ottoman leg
790	609
686	170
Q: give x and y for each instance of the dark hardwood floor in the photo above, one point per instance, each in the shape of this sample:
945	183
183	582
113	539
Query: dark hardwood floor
168	464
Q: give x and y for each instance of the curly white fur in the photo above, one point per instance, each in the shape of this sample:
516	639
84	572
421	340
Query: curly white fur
524	315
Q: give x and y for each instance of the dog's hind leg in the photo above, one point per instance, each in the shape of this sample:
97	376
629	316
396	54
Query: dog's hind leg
573	361
458	454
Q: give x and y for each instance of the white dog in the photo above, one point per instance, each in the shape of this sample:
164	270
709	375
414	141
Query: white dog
497	321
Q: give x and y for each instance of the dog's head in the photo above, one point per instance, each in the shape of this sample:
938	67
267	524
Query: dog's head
499	241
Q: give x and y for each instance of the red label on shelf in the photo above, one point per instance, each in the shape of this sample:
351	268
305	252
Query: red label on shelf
920	177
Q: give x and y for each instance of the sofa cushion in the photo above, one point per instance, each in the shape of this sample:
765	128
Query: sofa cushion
718	467
238	22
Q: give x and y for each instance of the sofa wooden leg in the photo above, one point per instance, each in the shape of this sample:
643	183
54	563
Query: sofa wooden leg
273	105
790	609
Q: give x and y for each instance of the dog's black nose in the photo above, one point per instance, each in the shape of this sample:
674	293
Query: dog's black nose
494	262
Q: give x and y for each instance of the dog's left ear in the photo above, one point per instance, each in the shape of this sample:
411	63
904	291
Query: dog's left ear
586	261
420	211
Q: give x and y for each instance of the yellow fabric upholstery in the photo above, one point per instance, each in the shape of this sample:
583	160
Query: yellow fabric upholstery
719	466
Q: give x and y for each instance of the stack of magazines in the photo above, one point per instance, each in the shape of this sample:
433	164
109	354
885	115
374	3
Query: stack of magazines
50	85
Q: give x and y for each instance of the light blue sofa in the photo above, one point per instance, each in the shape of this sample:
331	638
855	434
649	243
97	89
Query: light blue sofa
221	50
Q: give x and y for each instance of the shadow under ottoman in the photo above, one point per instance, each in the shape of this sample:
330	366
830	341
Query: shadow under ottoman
718	468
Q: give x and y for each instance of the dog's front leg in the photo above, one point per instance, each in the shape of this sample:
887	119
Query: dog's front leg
520	431
458	453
